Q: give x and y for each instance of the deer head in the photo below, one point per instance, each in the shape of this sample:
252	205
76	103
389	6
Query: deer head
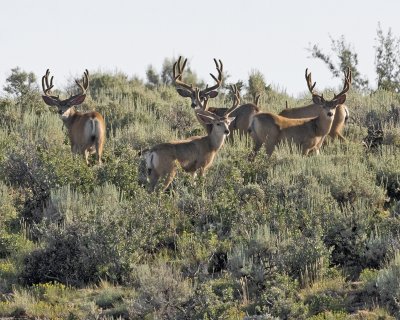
329	106
210	118
187	91
64	105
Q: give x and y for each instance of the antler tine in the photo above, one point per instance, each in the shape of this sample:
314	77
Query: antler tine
178	78
218	80
203	107
236	100
181	67
310	85
177	63
346	85
199	103
45	83
257	99
85	82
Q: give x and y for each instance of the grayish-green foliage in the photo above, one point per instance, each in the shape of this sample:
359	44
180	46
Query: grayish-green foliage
256	84
23	86
153	78
20	82
271	239
387	60
345	58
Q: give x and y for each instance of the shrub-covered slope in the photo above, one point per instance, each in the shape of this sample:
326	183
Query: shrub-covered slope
289	237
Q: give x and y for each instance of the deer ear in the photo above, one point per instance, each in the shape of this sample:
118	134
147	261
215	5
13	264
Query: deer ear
341	99
205	119
50	101
212	94
317	99
184	93
74	101
230	119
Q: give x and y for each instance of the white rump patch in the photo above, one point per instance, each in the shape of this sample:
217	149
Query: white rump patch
152	159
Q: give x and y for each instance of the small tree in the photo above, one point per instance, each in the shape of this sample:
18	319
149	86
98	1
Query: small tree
153	78
346	57
166	71
256	84
387	61
22	85
20	82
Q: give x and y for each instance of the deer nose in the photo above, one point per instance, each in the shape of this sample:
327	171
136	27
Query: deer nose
194	105
227	132
330	114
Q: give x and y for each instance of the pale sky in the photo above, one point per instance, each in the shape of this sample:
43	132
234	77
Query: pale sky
68	36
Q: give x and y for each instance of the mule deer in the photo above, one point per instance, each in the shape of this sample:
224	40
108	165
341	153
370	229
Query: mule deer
193	154
308	133
242	114
86	130
313	110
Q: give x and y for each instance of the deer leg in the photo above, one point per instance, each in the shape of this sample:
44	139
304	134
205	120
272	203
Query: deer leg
74	149
202	171
154	176
168	178
256	148
99	151
340	137
269	148
86	154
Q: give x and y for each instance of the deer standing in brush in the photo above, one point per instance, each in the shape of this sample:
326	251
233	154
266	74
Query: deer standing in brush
242	114
194	154
312	110
86	130
309	133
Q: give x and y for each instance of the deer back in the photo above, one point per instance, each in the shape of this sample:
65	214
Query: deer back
85	128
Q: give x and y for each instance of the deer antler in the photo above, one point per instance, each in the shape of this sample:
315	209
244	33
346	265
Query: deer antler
80	97
346	85
257	99
178	78
311	85
45	83
85	82
203	107
217	80
236	100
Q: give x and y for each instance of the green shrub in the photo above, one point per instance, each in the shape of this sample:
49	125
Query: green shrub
162	292
388	285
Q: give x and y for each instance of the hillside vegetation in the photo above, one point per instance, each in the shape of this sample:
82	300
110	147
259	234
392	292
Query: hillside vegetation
289	237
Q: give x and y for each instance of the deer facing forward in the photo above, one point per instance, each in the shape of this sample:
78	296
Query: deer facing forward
309	133
312	110
242	114
194	154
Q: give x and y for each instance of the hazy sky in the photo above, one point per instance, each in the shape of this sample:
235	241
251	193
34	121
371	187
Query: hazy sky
68	36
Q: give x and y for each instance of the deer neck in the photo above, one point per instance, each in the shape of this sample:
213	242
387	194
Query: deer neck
68	117
216	140
322	124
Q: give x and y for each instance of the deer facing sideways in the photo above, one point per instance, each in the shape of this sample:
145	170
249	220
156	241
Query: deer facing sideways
309	133
242	114
312	110
194	154
86	130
